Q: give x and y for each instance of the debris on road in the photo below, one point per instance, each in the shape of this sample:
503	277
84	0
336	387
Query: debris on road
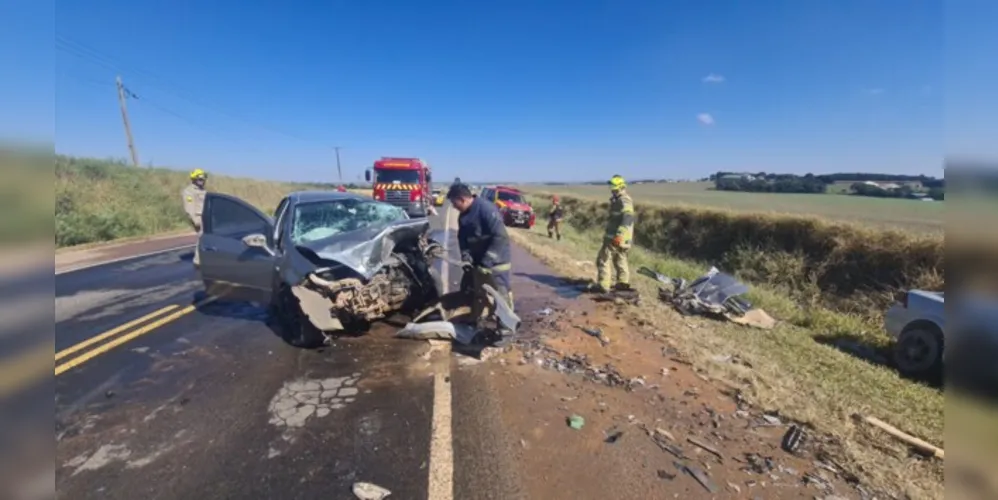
706	447
369	491
439	330
664	474
547	311
792	439
699	475
597	333
613	436
714	294
576	422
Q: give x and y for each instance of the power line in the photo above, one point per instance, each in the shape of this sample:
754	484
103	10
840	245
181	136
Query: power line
82	51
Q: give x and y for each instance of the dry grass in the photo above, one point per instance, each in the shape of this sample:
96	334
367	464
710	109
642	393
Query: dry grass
791	373
823	266
879	213
100	200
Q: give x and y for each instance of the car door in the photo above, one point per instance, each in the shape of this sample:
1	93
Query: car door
230	268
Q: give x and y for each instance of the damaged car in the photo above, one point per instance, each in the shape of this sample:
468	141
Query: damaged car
325	263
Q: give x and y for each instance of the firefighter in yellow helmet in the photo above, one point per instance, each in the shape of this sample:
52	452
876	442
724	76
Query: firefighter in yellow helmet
193	196
617	239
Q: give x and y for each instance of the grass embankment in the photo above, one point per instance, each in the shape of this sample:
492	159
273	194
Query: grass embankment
824	281
101	200
879	213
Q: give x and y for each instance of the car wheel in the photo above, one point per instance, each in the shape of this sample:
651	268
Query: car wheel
295	327
918	351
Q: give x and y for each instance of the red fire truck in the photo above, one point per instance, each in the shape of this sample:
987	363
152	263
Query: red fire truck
403	182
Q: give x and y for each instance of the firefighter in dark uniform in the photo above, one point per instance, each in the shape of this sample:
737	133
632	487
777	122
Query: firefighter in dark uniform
484	245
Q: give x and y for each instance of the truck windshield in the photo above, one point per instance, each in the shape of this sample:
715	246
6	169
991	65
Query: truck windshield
509	196
314	221
402	176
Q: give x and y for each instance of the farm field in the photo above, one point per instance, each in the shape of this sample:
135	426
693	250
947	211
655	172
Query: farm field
920	216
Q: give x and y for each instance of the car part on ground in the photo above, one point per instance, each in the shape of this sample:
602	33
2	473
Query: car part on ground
714	294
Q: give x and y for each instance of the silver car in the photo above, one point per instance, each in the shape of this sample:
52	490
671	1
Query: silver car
325	262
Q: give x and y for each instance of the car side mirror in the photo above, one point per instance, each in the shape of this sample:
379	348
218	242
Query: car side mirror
257	240
367	175
429	178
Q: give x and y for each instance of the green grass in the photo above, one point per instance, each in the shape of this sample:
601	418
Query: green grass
103	200
910	215
794	371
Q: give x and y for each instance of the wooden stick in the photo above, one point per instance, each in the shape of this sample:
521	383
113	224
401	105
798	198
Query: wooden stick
919	444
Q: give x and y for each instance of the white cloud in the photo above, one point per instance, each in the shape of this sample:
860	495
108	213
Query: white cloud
712	78
705	118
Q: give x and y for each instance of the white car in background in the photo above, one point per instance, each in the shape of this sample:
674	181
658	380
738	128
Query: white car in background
923	339
917	323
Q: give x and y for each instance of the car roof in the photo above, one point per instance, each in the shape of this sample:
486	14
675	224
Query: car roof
316	195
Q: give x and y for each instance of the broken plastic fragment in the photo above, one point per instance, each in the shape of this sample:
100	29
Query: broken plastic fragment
369	491
576	422
442	330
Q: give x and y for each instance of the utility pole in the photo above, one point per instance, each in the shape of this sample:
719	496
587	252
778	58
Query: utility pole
339	171
124	119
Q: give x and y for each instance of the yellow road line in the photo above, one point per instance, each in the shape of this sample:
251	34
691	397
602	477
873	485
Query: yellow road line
93	340
24	369
83	358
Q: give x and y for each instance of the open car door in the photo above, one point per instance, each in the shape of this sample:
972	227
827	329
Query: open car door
236	250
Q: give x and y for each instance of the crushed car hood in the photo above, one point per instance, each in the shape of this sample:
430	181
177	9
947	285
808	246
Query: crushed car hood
366	250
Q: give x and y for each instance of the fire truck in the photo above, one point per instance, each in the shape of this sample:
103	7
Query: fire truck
403	182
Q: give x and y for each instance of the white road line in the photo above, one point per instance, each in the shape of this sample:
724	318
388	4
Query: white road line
441	466
120	259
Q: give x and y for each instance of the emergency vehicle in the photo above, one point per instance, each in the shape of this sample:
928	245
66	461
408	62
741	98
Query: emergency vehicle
512	204
403	182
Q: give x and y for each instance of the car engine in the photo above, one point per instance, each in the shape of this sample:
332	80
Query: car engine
406	281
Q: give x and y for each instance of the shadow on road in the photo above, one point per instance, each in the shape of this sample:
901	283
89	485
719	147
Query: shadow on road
563	287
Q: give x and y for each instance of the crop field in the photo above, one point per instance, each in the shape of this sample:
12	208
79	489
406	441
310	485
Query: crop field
913	215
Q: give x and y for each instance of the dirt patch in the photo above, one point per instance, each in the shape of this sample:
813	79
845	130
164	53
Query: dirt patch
643	407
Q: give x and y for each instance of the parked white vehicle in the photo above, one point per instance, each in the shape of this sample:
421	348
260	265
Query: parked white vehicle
917	323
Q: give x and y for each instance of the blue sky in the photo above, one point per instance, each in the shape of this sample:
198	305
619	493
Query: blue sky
552	90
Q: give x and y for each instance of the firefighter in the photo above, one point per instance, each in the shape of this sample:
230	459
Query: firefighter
617	239
193	196
485	251
554	218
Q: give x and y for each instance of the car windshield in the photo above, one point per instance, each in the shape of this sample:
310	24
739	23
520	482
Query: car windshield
510	196
389	176
315	221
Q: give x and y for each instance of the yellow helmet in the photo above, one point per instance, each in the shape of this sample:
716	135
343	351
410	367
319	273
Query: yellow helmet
197	173
617	183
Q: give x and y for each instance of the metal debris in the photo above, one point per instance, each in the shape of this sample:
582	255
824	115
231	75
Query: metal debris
771	420
664	474
714	294
706	447
792	439
699	475
598	333
613	437
547	311
547	358
439	330
369	491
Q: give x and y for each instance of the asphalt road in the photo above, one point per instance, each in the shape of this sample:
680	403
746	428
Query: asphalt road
180	399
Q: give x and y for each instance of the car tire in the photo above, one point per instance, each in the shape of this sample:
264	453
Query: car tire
918	351
295	327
